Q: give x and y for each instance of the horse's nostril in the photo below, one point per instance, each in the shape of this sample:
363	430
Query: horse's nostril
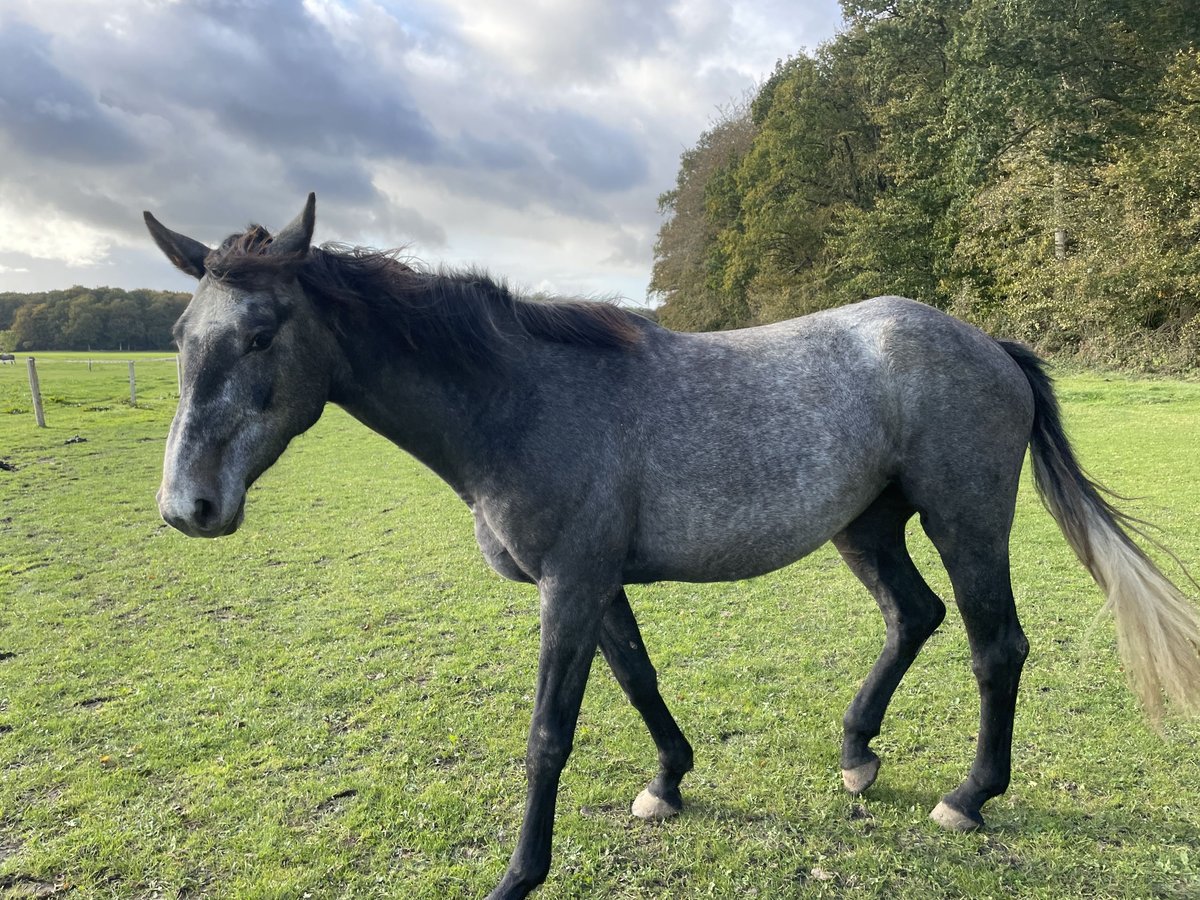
204	512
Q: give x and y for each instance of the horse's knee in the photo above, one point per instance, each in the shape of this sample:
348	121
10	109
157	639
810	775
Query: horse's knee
547	753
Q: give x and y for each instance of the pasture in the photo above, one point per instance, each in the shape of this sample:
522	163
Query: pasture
333	702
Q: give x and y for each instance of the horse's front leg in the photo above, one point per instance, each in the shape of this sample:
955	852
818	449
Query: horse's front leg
571	612
622	645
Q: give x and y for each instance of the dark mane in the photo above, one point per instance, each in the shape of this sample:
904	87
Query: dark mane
464	313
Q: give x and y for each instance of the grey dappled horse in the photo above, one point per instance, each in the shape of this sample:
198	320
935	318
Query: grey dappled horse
596	449
8	358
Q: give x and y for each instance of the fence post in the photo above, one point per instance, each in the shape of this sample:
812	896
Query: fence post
35	389
132	386
179	374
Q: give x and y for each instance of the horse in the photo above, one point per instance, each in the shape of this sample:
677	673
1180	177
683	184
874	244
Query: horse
596	449
8	358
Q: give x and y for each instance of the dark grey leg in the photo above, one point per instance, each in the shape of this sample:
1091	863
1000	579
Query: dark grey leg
622	646
570	620
873	547
998	650
963	477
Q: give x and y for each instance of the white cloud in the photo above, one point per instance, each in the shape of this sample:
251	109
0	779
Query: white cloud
47	234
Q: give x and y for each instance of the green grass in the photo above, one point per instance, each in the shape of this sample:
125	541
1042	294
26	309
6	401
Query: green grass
74	382
333	702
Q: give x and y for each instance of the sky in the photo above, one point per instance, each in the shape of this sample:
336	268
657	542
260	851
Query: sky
530	138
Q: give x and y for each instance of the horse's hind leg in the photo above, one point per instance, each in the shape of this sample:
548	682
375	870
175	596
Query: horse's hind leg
622	646
976	556
873	547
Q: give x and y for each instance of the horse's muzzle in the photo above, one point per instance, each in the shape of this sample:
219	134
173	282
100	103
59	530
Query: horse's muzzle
199	516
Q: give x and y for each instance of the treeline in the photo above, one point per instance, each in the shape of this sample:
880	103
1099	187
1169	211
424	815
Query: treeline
89	319
1030	165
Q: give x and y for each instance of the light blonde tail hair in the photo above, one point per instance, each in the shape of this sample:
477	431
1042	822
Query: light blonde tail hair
1158	628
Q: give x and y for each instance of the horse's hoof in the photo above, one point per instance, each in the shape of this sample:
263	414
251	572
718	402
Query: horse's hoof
653	809
861	777
954	819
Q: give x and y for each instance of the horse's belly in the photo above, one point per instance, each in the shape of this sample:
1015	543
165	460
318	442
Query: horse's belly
737	559
727	542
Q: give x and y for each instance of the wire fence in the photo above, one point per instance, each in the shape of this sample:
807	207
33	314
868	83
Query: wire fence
32	383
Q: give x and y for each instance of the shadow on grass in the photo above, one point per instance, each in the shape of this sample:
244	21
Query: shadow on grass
1109	828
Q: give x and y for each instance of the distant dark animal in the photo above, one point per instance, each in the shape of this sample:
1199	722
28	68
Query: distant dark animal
597	449
7	358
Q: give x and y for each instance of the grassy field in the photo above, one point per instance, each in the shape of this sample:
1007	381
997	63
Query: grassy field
333	702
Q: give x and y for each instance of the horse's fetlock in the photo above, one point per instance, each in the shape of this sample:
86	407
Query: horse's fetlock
992	782
678	763
521	878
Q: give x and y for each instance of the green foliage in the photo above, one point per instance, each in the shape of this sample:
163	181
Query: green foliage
334	701
688	261
91	319
812	157
1151	193
1027	164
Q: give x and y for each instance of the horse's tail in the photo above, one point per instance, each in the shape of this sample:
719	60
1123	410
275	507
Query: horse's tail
1158	630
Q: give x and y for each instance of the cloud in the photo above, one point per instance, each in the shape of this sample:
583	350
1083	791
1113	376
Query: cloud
599	156
569	42
45	234
272	75
49	114
454	124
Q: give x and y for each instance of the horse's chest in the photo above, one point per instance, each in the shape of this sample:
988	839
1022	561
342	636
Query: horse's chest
495	551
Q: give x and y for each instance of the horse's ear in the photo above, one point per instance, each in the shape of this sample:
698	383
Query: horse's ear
186	254
296	236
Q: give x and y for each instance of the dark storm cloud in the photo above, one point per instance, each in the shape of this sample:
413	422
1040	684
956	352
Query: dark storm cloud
332	177
270	74
233	101
227	108
48	113
601	157
557	158
497	155
451	123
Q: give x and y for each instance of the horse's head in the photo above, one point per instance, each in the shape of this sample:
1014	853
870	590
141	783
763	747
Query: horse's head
256	362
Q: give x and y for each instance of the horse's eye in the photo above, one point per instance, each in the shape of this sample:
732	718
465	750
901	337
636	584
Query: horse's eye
262	340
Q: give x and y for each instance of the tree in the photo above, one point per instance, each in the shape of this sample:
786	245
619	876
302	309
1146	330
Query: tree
1030	165
812	159
688	263
901	241
1143	265
85	322
98	318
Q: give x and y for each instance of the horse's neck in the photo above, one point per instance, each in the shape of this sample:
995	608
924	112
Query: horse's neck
445	418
